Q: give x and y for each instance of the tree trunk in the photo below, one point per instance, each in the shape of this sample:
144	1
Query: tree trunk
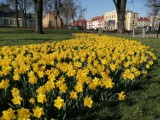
55	21
121	23
38	16
61	22
23	18
154	17
25	21
66	22
16	8
120	8
158	30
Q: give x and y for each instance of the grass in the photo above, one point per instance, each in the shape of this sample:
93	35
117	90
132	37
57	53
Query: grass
27	36
142	101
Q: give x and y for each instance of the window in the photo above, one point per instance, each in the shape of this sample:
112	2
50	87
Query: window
134	15
5	21
133	21
11	22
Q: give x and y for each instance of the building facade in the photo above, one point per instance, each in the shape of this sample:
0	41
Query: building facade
8	17
96	22
89	24
143	22
111	19
154	22
49	20
131	21
80	23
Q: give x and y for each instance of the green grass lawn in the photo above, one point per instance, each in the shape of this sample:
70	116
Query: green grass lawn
143	101
27	36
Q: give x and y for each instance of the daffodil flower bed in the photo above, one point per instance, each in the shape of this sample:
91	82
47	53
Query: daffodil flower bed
46	81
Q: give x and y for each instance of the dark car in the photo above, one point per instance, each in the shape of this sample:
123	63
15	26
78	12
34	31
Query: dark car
75	28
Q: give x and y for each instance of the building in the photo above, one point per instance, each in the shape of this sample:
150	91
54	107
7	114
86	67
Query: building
143	22
155	22
49	20
96	22
89	24
111	19
80	23
131	21
8	17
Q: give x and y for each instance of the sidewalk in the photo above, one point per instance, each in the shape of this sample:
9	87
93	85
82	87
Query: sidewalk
148	36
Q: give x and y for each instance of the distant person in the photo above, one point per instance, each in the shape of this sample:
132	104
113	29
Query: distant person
100	31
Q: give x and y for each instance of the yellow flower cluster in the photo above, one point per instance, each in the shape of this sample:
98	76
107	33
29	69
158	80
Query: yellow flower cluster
58	75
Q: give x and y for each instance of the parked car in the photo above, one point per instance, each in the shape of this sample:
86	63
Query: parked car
74	28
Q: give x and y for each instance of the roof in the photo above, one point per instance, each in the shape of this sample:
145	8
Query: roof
6	11
80	21
144	19
97	18
129	11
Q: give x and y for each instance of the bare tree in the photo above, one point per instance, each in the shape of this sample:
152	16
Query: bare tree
80	11
54	6
14	4
72	9
154	10
21	7
154	5
24	5
38	8
120	8
66	10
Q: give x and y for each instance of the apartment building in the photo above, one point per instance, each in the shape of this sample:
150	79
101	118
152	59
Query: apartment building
143	22
154	22
89	24
131	21
111	19
96	22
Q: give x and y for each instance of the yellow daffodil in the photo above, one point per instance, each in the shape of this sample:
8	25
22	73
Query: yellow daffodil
38	112
59	102
73	95
23	114
8	114
88	102
41	98
32	100
4	84
121	96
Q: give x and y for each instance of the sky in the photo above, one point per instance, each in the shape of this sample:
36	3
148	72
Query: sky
99	7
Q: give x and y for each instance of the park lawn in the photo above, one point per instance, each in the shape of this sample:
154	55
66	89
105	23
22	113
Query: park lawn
11	36
142	101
